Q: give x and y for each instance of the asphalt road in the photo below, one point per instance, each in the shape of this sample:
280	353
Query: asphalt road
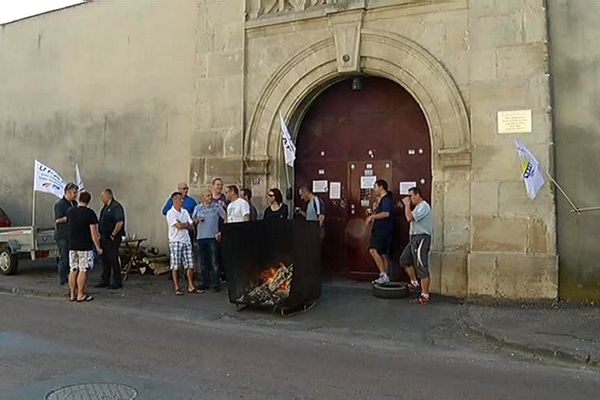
46	344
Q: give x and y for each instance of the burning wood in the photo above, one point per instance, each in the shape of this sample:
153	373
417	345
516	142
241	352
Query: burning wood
272	289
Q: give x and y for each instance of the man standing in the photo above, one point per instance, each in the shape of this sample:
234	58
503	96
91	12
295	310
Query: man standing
217	193
83	237
61	232
382	229
180	246
238	209
189	203
247	195
415	256
315	210
112	229
206	216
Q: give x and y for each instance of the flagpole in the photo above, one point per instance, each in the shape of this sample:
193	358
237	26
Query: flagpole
285	132
575	209
33	199
288	187
580	210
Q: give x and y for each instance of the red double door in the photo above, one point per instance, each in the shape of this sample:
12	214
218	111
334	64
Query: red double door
347	140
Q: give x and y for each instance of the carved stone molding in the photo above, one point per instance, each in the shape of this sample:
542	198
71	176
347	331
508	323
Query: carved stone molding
346	29
259	8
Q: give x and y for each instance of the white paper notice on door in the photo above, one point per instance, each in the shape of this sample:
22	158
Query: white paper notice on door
367	182
319	186
335	190
406	186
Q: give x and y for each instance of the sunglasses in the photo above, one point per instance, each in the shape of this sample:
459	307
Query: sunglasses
270	195
185	188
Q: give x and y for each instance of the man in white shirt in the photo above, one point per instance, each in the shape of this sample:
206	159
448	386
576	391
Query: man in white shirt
180	246
238	209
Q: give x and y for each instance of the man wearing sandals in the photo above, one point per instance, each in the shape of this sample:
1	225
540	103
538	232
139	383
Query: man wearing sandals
415	256
83	236
180	246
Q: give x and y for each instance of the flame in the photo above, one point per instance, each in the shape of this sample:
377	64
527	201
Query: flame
285	286
269	274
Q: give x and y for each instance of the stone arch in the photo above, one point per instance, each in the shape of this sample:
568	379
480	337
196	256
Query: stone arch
299	81
382	54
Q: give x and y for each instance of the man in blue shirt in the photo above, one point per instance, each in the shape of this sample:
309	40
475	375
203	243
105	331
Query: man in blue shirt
206	216
382	229
188	202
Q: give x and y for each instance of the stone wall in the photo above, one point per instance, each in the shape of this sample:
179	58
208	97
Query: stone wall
513	251
463	62
145	94
218	89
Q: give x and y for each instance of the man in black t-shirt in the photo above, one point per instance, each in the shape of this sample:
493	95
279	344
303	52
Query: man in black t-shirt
83	237
61	233
112	229
382	229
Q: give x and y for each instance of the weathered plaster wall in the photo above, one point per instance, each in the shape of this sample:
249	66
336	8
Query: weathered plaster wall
107	85
575	51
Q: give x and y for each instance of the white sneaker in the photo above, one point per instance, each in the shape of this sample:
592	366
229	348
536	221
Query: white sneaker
383	278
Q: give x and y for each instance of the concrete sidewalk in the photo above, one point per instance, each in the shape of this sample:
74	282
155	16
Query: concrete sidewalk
551	332
564	332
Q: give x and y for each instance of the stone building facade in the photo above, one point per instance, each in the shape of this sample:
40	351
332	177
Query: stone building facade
194	90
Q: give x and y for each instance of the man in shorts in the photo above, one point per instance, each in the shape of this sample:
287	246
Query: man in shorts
415	256
83	236
382	229
180	245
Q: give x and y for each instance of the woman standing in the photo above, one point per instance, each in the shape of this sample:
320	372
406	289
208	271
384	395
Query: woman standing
277	208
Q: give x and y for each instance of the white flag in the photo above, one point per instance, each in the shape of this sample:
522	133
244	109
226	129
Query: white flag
45	179
531	172
289	148
78	180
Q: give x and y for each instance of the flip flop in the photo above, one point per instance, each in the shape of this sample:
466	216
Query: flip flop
86	298
179	292
195	291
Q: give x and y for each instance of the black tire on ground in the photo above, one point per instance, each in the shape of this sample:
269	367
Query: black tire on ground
391	290
8	261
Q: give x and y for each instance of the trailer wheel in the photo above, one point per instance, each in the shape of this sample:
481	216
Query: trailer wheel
391	290
8	261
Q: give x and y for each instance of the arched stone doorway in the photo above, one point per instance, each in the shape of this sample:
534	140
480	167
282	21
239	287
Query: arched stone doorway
358	130
291	89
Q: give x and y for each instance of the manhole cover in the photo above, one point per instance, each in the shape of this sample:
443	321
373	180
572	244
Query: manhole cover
93	391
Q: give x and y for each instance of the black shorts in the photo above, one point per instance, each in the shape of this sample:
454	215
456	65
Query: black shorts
416	254
381	241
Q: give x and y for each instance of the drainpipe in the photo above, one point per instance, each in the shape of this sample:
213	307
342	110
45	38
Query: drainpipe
552	165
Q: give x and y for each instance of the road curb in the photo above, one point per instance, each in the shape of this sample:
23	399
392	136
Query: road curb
545	353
